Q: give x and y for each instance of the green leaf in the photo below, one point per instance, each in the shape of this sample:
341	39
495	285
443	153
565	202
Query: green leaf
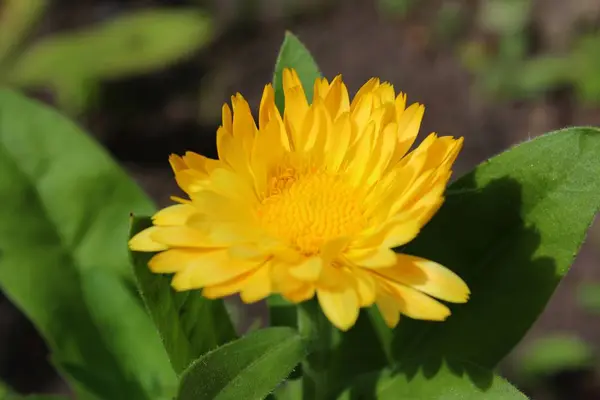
293	54
127	329
16	19
189	324
505	17
554	354
584	61
588	296
5	391
65	207
130	44
41	397
450	381
336	357
248	368
540	74
511	229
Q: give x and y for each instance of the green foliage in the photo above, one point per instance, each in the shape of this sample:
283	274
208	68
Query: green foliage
16	19
584	63
189	324
505	17
64	216
553	354
588	295
509	72
248	368
73	63
517	221
397	7
294	54
451	381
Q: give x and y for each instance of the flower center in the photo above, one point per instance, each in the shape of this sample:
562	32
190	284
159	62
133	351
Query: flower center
311	208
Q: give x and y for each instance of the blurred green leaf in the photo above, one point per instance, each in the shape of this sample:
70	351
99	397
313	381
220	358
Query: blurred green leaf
397	7
555	354
130	44
585	64
16	19
451	381
65	206
542	73
293	54
189	324
450	21
248	368
588	295
41	397
511	229
505	17
5	391
7	394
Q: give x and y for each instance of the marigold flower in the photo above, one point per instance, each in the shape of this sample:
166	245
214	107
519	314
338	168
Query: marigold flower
312	203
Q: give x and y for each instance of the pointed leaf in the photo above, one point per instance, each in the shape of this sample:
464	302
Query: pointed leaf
248	368
64	211
511	229
451	381
293	54
189	324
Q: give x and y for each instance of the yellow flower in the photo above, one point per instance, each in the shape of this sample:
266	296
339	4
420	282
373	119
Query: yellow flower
312	203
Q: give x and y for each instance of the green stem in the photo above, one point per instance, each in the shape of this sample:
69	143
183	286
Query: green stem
322	338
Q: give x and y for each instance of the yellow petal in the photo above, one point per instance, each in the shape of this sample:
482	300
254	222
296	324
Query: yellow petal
393	233
181	236
244	127
388	308
228	288
365	287
417	305
337	101
177	163
309	270
340	307
320	88
408	127
143	241
258	286
173	215
253	286
291	79
232	186
267	107
174	260
210	268
366	89
373	258
339	142
302	293
227	118
428	277
385	94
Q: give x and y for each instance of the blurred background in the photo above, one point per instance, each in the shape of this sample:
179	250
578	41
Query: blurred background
147	78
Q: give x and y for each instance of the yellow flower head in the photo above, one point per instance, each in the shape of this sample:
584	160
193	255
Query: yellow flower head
312	203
